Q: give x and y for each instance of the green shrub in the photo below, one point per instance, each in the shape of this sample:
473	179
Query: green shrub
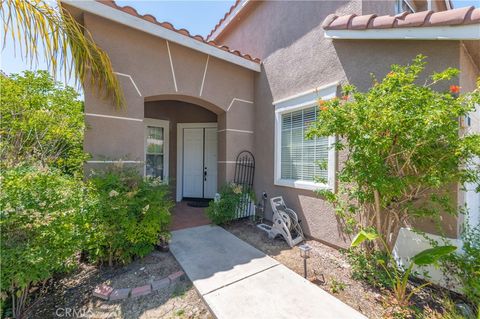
42	122
465	266
128	216
366	266
40	217
225	209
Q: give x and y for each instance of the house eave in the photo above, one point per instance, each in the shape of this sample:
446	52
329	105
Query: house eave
462	32
126	19
224	24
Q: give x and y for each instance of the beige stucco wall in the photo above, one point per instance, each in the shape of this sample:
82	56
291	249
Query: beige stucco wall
152	69
297	58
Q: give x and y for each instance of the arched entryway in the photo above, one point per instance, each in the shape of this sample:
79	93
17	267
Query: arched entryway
182	147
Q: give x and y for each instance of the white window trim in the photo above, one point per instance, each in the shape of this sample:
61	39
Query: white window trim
180	127
298	102
166	141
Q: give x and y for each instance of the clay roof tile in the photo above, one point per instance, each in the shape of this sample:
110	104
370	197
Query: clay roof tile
328	20
474	17
361	22
467	15
383	22
342	22
416	19
450	17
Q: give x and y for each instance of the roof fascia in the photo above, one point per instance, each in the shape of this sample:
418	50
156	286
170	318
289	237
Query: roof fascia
126	19
229	19
462	32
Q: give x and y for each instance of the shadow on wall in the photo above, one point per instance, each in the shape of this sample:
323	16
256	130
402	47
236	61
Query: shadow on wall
283	28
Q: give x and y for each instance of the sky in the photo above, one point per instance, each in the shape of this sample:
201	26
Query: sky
197	16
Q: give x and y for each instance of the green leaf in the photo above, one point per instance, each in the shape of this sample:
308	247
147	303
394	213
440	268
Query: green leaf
432	255
362	236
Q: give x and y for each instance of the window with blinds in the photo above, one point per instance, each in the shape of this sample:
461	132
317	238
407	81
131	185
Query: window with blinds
300	156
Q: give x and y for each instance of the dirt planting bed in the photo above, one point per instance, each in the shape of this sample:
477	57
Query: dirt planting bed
72	294
329	269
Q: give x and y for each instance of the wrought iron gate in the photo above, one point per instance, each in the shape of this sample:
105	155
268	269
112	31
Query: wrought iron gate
244	174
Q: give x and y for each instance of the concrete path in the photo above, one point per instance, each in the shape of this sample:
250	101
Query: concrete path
237	280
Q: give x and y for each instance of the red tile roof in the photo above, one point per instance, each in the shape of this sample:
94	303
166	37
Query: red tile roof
167	25
461	16
237	2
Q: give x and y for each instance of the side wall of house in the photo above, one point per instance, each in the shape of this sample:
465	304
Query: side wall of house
297	58
470	72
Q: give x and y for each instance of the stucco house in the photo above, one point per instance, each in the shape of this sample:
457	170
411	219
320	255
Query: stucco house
193	104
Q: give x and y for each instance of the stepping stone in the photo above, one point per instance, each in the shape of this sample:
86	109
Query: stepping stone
179	275
119	294
141	291
160	284
103	291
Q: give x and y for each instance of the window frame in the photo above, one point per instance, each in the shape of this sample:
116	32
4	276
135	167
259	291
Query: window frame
295	103
166	141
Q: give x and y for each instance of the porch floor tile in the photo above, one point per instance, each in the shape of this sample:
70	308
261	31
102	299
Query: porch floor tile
184	216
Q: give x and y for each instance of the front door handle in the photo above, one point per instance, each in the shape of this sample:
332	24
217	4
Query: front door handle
205	174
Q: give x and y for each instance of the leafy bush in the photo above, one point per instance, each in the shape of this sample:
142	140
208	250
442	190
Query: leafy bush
223	210
399	276
42	122
128	216
465	266
41	213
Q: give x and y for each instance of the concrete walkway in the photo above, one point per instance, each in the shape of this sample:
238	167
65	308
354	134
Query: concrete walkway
237	280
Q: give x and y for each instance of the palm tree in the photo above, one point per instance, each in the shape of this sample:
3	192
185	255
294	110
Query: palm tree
38	28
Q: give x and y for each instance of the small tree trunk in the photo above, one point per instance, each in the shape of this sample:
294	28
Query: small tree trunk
378	219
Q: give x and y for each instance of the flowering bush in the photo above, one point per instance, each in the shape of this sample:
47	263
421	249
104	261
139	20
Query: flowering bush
41	217
224	209
128	215
404	148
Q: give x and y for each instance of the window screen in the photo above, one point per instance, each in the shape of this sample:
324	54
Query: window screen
300	156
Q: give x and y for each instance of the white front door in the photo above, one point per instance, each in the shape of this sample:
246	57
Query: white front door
199	162
210	158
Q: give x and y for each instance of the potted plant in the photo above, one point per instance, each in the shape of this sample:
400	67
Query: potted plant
163	242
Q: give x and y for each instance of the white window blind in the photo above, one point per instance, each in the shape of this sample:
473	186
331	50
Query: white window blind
300	156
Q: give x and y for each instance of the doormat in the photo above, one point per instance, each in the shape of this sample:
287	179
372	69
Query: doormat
199	203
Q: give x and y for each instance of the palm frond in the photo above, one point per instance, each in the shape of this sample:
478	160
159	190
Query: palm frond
40	29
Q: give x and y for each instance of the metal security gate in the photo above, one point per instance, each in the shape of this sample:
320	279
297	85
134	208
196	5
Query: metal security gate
244	174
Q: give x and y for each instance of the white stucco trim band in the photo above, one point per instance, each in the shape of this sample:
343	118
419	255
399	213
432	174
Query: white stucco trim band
461	32
113	162
204	75
114	117
227	162
131	80
234	130
238	100
171	67
126	19
325	92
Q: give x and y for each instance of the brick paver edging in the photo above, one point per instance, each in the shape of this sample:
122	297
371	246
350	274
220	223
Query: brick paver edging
106	292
